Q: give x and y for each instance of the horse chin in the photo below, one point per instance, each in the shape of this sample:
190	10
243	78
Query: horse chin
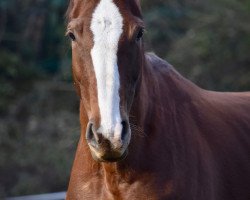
109	157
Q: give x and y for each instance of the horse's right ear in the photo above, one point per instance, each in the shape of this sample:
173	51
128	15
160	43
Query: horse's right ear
70	7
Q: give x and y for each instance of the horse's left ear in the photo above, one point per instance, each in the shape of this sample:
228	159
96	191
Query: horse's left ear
138	2
136	7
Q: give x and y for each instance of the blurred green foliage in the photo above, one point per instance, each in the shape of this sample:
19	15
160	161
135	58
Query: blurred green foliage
11	75
207	41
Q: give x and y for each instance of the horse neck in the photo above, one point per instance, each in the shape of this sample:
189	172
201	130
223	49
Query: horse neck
161	90
167	106
160	114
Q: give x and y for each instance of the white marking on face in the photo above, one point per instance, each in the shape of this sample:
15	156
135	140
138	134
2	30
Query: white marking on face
107	27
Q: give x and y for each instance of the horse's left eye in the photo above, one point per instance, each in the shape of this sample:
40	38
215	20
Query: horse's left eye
140	34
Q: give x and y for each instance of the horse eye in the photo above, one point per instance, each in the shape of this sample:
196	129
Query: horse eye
140	34
71	36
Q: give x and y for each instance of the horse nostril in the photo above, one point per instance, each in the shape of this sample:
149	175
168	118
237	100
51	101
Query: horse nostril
91	135
89	132
124	129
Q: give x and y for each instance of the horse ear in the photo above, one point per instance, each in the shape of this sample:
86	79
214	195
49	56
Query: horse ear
136	7
138	3
70	7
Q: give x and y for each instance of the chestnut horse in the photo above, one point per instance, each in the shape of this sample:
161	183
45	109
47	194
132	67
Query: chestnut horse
147	133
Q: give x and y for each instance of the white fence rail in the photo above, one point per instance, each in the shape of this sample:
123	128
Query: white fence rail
51	196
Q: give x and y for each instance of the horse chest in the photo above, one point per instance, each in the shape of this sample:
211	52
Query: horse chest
112	190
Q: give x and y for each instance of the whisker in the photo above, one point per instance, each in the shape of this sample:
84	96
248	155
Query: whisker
138	129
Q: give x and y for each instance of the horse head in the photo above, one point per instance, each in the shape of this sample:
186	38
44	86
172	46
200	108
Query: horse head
107	52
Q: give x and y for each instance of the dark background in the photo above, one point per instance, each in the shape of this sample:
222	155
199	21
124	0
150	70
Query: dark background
208	41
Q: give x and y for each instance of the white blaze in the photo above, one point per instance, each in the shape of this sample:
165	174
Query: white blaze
107	27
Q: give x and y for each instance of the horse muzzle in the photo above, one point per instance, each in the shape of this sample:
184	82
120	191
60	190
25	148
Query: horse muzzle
108	147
